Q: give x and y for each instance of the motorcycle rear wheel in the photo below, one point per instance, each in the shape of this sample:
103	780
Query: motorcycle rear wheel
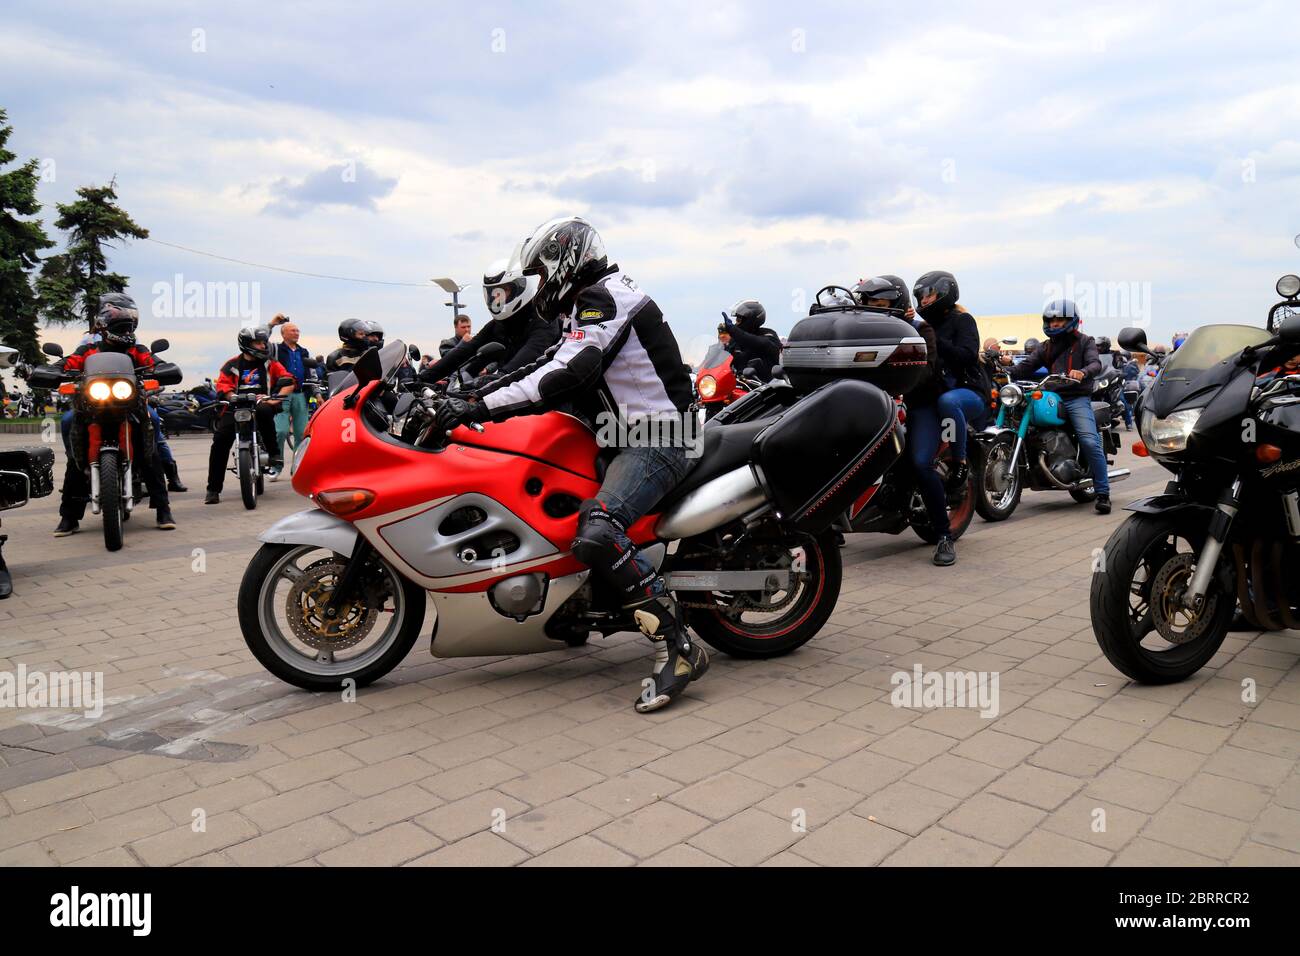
811	605
265	609
110	500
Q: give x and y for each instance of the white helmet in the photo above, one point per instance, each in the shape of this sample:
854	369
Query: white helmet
505	287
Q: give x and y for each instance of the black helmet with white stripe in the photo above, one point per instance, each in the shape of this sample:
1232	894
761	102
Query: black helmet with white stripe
566	255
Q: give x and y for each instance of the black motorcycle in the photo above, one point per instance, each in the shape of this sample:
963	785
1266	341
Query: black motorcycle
108	398
193	410
1224	417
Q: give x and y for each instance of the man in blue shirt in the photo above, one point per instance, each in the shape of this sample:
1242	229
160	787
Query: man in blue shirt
294	411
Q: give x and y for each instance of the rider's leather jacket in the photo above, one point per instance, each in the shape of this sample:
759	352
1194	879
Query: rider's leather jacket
616	353
526	337
1060	355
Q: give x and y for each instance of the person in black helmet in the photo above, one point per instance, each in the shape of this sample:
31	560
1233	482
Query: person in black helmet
884	294
355	336
961	384
616	352
252	369
752	345
114	325
1072	354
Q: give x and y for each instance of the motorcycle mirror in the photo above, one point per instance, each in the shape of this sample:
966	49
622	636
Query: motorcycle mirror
1011	341
414	352
490	349
310	363
1289	330
778	371
159	345
1134	340
6	356
749	371
52	348
1288	287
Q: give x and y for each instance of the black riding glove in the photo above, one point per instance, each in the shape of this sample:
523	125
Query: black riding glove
457	411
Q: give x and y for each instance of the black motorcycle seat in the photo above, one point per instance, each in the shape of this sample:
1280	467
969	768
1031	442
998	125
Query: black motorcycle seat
723	448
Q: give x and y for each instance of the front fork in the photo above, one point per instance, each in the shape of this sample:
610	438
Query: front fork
1208	559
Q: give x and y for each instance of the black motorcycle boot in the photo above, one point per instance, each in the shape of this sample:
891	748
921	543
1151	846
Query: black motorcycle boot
6	582
678	659
945	552
173	474
1102	504
66	527
165	520
212	498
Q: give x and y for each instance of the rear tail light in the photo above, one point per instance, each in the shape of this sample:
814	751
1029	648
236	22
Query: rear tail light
907	355
345	501
1140	450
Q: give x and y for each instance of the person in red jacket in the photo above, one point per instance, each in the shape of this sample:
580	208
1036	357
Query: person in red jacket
115	323
252	369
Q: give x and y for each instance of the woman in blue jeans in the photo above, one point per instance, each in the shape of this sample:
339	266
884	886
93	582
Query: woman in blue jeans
948	403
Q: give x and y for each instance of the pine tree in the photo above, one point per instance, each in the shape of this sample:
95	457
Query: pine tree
21	240
71	282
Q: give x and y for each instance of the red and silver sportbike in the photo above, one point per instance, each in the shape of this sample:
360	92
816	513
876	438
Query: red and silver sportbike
482	519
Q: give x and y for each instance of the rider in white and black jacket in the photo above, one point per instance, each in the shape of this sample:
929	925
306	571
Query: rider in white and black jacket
616	354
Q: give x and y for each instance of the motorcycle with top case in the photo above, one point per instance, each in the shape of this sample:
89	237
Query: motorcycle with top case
481	521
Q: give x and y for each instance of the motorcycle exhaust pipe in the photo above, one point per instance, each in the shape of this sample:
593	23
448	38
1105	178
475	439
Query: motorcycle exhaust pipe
731	495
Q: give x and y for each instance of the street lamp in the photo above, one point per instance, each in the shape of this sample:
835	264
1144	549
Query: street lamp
453	288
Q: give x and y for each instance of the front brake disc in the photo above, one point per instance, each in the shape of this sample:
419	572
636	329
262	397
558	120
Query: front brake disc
306	604
1175	623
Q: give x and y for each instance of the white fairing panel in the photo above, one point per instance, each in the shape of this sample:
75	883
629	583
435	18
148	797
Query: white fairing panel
468	626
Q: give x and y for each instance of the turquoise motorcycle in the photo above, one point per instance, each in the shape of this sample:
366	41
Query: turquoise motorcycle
1031	445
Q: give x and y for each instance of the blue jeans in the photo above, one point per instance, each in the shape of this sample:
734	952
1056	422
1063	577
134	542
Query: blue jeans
922	445
960	405
1084	423
635	481
1128	408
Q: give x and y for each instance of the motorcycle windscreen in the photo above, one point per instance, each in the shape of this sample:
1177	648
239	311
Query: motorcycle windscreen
391	357
1200	367
108	364
820	455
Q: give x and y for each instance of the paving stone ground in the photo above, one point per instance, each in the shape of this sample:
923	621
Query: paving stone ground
201	758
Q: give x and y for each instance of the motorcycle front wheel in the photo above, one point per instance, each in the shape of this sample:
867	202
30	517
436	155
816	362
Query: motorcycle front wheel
111	507
997	493
759	626
1136	616
283	614
247	483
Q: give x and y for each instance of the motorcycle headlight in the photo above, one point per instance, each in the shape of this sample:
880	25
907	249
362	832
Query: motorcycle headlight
1010	395
1168	435
708	386
100	391
299	455
122	390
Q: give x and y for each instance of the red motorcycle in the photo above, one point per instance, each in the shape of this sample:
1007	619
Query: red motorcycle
482	519
716	382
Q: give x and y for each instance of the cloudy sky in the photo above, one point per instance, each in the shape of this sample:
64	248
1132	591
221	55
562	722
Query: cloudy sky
1144	156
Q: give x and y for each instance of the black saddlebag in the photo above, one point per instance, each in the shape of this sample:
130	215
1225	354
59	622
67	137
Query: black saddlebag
823	452
26	472
855	344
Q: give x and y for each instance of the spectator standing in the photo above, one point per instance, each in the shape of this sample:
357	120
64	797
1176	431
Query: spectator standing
293	412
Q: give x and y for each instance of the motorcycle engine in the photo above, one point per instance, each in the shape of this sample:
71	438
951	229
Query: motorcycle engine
518	597
1061	456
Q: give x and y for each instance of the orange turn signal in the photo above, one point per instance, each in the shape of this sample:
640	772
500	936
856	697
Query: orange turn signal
1036	396
68	388
149	384
1140	450
1267	454
345	501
